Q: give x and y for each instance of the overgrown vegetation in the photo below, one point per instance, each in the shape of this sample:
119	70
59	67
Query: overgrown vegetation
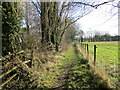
42	31
11	19
67	71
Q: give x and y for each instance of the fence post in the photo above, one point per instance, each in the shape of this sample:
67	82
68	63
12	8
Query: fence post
94	54
87	49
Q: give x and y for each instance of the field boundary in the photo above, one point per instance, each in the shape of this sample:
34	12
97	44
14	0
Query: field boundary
94	68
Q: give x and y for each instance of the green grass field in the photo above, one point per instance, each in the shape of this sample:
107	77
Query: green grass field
107	52
107	57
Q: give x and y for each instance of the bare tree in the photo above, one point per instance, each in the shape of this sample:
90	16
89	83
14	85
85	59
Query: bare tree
56	17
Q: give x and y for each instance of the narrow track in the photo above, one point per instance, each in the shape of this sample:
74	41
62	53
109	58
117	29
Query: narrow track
77	74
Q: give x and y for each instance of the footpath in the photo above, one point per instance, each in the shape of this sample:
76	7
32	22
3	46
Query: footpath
76	73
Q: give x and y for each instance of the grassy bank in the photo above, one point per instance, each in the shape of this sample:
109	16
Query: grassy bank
107	59
80	75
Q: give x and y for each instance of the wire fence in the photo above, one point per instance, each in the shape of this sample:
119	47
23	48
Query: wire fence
104	58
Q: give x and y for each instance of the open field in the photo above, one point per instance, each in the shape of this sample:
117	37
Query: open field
111	42
106	51
106	58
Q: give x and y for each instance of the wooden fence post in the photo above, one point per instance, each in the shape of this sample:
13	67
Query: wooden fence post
87	49
94	54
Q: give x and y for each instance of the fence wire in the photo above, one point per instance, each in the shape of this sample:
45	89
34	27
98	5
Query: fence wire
106	59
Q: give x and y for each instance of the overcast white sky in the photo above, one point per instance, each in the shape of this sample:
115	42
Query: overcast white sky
98	20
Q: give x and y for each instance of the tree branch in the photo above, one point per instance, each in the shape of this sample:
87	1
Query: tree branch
94	6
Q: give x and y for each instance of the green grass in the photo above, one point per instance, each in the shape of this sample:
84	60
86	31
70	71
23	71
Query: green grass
80	75
46	79
70	56
107	57
106	52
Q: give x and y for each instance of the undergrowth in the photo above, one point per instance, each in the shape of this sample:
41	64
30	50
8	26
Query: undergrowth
78	75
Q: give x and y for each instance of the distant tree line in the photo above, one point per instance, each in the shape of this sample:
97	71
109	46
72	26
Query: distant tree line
95	36
105	37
